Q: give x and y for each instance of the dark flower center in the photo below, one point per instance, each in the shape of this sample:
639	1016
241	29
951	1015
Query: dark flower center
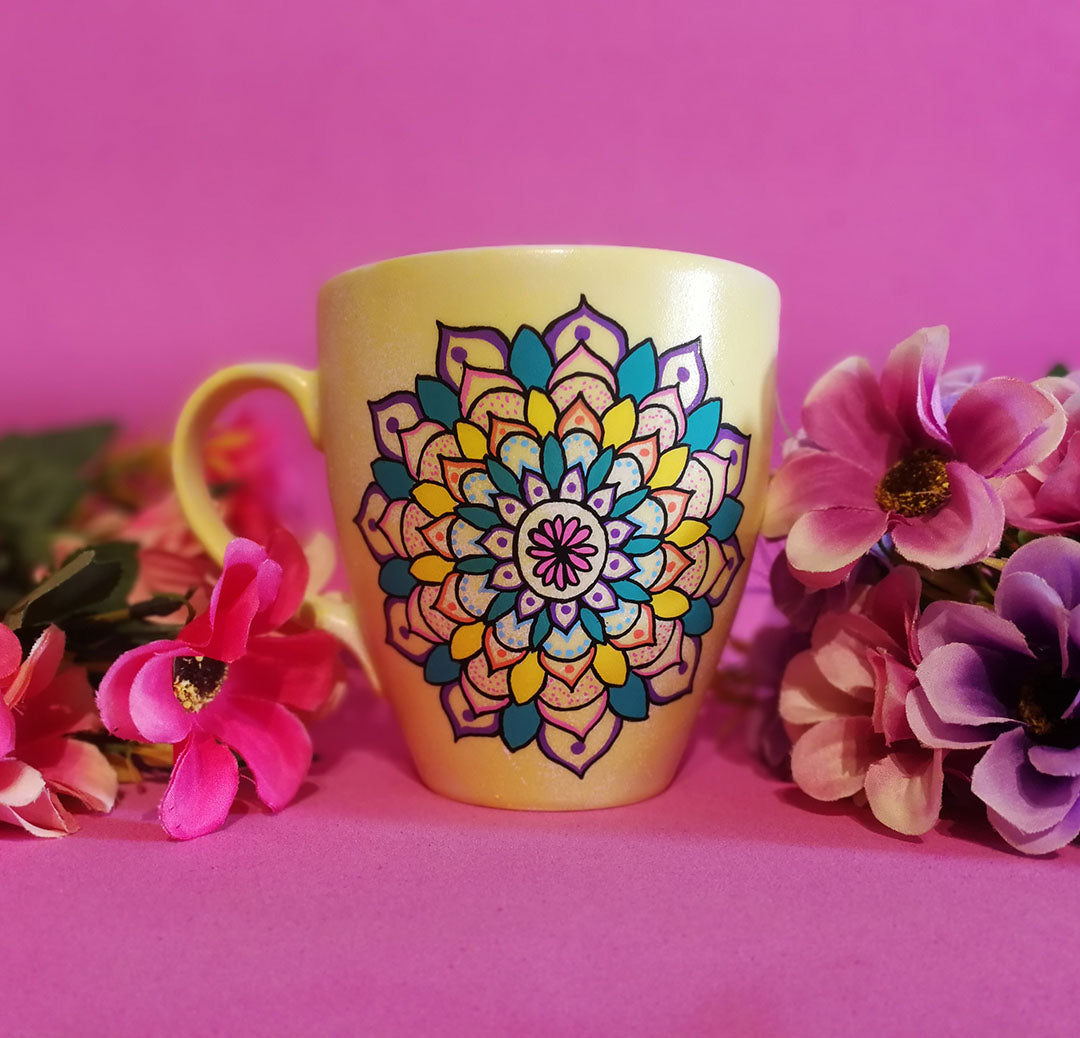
1043	698
196	680
916	485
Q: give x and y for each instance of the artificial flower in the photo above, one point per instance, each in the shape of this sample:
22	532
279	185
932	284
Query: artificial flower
844	702
1045	498
43	702
882	457
228	683
1009	679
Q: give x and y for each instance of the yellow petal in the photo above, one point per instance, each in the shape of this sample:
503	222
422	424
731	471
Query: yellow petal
431	569
610	665
526	678
619	423
472	440
669	604
540	413
670	467
433	498
688	532
467	641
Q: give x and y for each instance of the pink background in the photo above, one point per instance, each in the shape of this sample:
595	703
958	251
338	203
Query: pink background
178	178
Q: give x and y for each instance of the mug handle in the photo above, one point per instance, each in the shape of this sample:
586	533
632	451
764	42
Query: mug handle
329	612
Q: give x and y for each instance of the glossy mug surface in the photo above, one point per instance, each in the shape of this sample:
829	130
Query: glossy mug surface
547	467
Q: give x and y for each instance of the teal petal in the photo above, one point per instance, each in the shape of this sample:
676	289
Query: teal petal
483	518
699	617
394	478
502	477
440	667
395	578
541	628
630	701
593	627
600	469
628	591
723	524
438	401
518	724
500	605
702	426
628	502
530	361
641	545
636	375
475	564
553	461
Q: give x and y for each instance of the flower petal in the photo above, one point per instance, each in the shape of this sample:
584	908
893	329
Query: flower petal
1052	839
829	539
943	623
20	784
807	697
1055	760
1005	781
76	768
203	786
298	670
1029	602
808	480
284	549
114	692
910	384
904	790
959	681
932	731
845	413
830	760
273	742
7	730
10	652
966	528
43	816
1056	560
39	667
155	710
1005	425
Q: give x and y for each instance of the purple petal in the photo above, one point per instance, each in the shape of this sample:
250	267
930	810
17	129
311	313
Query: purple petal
1005	425
564	614
600	334
1055	760
734	448
829	539
910	384
528	604
966	528
1052	839
391	416
601	598
1029	602
932	731
945	622
684	368
1005	781
844	413
618	566
602	500
463	719
1056	560
510	508
536	490
483	348
619	531
959	681
572	487
579	754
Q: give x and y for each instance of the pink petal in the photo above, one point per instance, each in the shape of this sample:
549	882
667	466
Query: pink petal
285	550
66	706
1004	425
76	768
968	527
894	684
298	670
844	413
10	653
808	480
114	692
203	786
273	742
20	784
904	790
7	730
910	384
830	760
43	816
822	581
39	667
843	644
828	539
155	710
807	697
1058	501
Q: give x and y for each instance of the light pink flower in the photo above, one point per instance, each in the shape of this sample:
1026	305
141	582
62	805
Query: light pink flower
882	457
42	702
1045	498
843	700
227	683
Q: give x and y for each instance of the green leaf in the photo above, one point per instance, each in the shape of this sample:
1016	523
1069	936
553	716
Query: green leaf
518	724
1057	371
628	591
641	545
628	502
438	401
500	605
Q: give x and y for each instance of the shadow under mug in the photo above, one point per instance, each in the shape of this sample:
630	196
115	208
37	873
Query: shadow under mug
547	466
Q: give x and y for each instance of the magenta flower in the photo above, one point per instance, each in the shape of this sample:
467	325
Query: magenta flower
561	551
42	702
1009	680
844	703
882	457
1045	498
227	683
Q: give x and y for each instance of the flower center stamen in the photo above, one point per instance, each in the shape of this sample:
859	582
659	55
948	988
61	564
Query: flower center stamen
1042	701
197	680
916	485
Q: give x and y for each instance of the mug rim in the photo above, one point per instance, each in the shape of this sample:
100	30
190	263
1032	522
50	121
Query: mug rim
534	249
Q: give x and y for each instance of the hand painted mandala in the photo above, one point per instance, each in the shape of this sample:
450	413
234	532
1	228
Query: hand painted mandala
554	518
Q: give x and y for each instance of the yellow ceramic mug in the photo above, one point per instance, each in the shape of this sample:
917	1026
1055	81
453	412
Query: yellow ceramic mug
547	467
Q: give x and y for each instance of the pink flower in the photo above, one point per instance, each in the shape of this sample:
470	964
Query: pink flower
844	703
1045	498
882	457
42	702
227	683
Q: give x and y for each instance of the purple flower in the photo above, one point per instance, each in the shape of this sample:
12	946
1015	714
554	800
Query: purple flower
1009	680
881	456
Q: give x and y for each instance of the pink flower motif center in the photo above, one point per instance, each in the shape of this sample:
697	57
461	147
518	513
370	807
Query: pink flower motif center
917	484
560	548
197	680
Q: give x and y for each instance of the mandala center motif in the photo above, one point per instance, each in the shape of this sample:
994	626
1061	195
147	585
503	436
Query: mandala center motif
561	549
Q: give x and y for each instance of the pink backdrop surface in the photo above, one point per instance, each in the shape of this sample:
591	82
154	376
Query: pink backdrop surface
177	180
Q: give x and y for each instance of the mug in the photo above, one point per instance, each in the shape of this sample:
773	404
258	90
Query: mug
547	467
